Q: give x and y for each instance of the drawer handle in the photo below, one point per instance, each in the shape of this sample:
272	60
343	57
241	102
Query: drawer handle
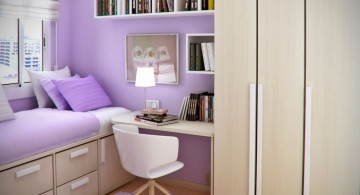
79	183
27	171
79	153
102	147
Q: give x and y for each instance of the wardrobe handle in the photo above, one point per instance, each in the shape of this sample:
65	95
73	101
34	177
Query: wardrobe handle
79	153
307	149
252	139
102	148
259	140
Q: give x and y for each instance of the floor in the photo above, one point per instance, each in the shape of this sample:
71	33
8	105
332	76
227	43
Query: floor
132	186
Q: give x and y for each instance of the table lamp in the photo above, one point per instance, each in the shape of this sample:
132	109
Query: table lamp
145	78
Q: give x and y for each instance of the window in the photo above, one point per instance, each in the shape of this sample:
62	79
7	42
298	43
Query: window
21	48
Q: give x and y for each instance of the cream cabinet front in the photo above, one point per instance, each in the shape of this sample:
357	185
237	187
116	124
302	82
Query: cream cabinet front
75	162
259	87
20	180
333	80
112	174
87	184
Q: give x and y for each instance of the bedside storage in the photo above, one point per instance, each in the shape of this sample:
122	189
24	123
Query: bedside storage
21	179
76	162
87	184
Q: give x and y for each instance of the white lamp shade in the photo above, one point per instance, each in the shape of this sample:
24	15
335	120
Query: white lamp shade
145	77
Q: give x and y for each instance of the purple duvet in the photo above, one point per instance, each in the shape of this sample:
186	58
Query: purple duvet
40	130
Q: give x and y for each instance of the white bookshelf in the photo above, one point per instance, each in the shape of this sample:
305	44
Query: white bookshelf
179	11
197	38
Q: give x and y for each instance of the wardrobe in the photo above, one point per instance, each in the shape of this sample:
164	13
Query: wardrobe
287	88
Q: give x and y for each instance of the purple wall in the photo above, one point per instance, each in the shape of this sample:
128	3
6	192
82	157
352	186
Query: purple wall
90	46
96	47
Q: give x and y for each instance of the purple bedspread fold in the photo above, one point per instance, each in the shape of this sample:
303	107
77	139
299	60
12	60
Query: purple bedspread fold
40	130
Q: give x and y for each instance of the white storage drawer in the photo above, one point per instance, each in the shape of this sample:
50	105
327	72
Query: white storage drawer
76	162
22	179
87	184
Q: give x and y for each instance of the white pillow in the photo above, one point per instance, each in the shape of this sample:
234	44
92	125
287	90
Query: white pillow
6	113
42	97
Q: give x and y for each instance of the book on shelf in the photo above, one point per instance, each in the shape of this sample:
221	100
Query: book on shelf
170	4
199	62
192	56
211	53
193	109
107	7
198	106
211	4
187	5
204	5
205	57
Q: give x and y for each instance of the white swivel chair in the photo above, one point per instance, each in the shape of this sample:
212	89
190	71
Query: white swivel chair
147	156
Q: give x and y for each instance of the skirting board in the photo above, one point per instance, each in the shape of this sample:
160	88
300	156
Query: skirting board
185	184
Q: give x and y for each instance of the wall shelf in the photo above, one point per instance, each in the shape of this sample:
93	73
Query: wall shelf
179	11
198	39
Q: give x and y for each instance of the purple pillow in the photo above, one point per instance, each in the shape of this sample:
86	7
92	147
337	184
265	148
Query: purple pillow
55	94
83	94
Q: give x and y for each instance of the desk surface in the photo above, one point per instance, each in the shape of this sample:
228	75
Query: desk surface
184	127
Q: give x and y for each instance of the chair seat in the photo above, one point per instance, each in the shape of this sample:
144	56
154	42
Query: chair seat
165	169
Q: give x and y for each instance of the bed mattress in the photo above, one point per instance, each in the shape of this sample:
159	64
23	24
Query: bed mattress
42	129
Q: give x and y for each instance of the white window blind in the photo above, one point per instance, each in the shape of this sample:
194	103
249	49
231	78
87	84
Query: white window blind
36	9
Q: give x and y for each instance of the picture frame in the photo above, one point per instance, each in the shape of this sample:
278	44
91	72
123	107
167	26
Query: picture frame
153	50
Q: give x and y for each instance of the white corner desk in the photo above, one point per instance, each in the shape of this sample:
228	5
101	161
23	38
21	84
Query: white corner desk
196	128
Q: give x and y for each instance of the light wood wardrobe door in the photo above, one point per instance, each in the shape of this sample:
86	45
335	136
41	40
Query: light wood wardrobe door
235	51
333	72
281	71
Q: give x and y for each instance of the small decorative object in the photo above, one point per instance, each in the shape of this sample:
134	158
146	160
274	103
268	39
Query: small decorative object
157	51
145	78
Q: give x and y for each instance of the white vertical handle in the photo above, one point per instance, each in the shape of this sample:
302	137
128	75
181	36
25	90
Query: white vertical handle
259	140
27	171
102	148
307	149
80	183
252	139
79	152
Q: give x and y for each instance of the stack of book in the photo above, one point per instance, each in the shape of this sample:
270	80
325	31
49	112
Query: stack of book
157	117
122	7
198	106
202	57
192	5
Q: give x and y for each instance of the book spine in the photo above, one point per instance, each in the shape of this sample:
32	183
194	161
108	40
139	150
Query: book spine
187	5
210	49
186	107
103	7
189	115
211	4
205	57
199	63
146	121
204	5
192	56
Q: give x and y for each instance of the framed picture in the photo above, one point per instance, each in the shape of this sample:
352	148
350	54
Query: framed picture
153	50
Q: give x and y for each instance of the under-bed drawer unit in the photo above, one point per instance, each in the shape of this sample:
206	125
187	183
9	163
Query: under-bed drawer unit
31	178
87	184
76	162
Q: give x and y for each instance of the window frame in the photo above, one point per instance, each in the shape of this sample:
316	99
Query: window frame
24	89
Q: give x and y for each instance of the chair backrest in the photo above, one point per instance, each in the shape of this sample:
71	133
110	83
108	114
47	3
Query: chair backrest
140	153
